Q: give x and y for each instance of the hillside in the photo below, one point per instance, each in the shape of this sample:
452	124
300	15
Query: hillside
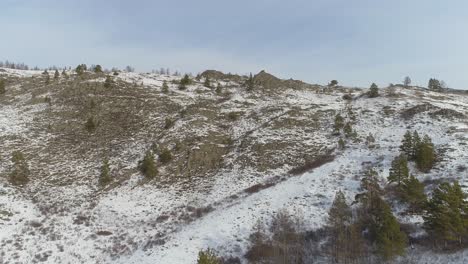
237	156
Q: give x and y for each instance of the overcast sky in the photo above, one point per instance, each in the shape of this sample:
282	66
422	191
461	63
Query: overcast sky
356	42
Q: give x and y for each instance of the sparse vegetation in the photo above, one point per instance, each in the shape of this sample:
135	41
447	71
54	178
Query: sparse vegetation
148	166
20	172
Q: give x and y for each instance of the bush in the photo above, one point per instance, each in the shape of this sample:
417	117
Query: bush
165	156
108	82
104	177
374	91
91	125
333	83
184	82
165	87
20	172
148	166
208	257
2	86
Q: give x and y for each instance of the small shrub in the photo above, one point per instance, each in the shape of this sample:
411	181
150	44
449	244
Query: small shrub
165	87
20	172
168	123
91	125
104	177
108	82
2	86
165	156
148	166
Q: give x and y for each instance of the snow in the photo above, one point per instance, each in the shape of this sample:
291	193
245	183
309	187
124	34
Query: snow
134	213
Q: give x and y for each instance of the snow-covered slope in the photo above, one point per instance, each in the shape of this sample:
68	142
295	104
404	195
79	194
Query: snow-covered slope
232	156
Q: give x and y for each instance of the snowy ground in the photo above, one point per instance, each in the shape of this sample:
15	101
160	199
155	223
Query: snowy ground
134	223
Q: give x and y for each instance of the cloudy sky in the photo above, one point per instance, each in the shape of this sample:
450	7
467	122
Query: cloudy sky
356	42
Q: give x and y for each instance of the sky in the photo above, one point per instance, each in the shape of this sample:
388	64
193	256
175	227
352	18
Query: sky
355	42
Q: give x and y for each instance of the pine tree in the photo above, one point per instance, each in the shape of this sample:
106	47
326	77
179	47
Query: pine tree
370	141
184	82
47	77
341	143
56	75
339	123
90	125
165	87
250	83
399	171
148	166
20	172
425	156
407	144
208	257
348	130
80	69
339	220
104	177
374	91
446	217
371	189
415	145
407	81
2	86
64	74
165	156
390	240
108	82
98	69
412	192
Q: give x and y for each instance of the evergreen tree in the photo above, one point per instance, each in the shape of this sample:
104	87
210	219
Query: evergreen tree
80	69
64	74
184	82
207	83
390	240
333	83
348	130
56	75
90	125
434	85
374	91
412	192
98	69
104	177
208	257
425	156
370	141
165	87
165	156
407	81
446	217
2	86
108	82
20	172
250	83
371	189
341	143
339	123
47	78
148	166
399	171
407	144
339	220
416	144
